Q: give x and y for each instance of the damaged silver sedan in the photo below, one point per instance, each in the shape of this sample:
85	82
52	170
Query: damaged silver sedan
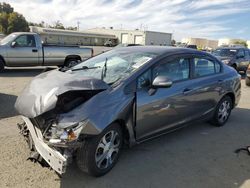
126	95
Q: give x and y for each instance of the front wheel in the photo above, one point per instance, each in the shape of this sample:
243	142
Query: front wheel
222	112
99	154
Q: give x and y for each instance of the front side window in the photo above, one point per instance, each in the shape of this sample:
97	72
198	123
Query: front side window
247	54
25	41
203	67
177	69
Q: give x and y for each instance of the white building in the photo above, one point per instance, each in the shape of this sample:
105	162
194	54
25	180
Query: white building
69	37
201	43
137	36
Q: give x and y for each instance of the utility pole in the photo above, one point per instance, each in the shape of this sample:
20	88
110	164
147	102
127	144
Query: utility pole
78	25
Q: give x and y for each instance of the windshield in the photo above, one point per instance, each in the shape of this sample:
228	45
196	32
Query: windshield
7	39
224	52
113	65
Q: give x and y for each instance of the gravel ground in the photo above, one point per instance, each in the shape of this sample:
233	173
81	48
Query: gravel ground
199	155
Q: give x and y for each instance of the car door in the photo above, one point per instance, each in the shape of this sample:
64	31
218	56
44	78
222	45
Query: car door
207	80
24	52
166	108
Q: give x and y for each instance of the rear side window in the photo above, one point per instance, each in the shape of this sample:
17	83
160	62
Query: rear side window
204	67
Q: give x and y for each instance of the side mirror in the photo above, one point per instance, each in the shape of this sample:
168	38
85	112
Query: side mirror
162	82
13	44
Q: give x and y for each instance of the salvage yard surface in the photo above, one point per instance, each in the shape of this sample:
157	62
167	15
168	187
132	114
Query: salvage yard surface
199	155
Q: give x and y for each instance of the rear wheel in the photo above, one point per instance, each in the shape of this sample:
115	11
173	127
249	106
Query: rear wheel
99	154
222	112
71	62
247	80
1	65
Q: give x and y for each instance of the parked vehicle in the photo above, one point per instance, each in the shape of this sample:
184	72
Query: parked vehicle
126	95
26	49
236	57
192	46
247	79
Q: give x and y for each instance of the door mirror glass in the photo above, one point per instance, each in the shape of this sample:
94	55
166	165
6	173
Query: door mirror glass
13	44
162	82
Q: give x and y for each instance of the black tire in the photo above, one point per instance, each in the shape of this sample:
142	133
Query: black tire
234	66
86	155
71	62
1	65
219	119
247	80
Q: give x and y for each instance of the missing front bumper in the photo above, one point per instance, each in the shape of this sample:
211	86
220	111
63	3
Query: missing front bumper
54	158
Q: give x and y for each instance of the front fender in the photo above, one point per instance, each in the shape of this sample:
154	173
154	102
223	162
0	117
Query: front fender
100	111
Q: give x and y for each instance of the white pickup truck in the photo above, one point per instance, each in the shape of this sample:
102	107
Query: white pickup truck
26	49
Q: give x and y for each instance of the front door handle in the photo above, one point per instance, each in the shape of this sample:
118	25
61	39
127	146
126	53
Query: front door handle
187	90
34	50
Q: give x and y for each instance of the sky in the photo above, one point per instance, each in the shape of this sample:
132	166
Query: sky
211	19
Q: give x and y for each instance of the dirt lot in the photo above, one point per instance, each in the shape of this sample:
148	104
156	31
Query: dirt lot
199	155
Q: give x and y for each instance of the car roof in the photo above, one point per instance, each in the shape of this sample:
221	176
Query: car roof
160	50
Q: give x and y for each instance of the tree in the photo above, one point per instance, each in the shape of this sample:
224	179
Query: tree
57	25
41	24
241	42
173	42
11	21
4	22
4	7
17	23
71	28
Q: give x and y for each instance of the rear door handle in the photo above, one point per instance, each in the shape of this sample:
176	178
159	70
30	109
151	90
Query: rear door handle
187	90
34	50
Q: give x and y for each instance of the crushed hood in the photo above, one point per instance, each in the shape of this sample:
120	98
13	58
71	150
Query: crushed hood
41	94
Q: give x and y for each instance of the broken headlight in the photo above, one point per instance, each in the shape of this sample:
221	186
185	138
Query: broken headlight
68	134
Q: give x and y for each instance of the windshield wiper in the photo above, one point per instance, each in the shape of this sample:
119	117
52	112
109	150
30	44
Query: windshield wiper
104	69
85	68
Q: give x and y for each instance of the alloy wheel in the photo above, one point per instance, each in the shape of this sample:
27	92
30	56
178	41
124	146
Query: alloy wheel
107	150
224	111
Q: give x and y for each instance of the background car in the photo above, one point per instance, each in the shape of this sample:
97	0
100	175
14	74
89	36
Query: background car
236	57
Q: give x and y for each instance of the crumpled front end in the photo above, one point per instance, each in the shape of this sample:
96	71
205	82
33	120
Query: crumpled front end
56	159
42	103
